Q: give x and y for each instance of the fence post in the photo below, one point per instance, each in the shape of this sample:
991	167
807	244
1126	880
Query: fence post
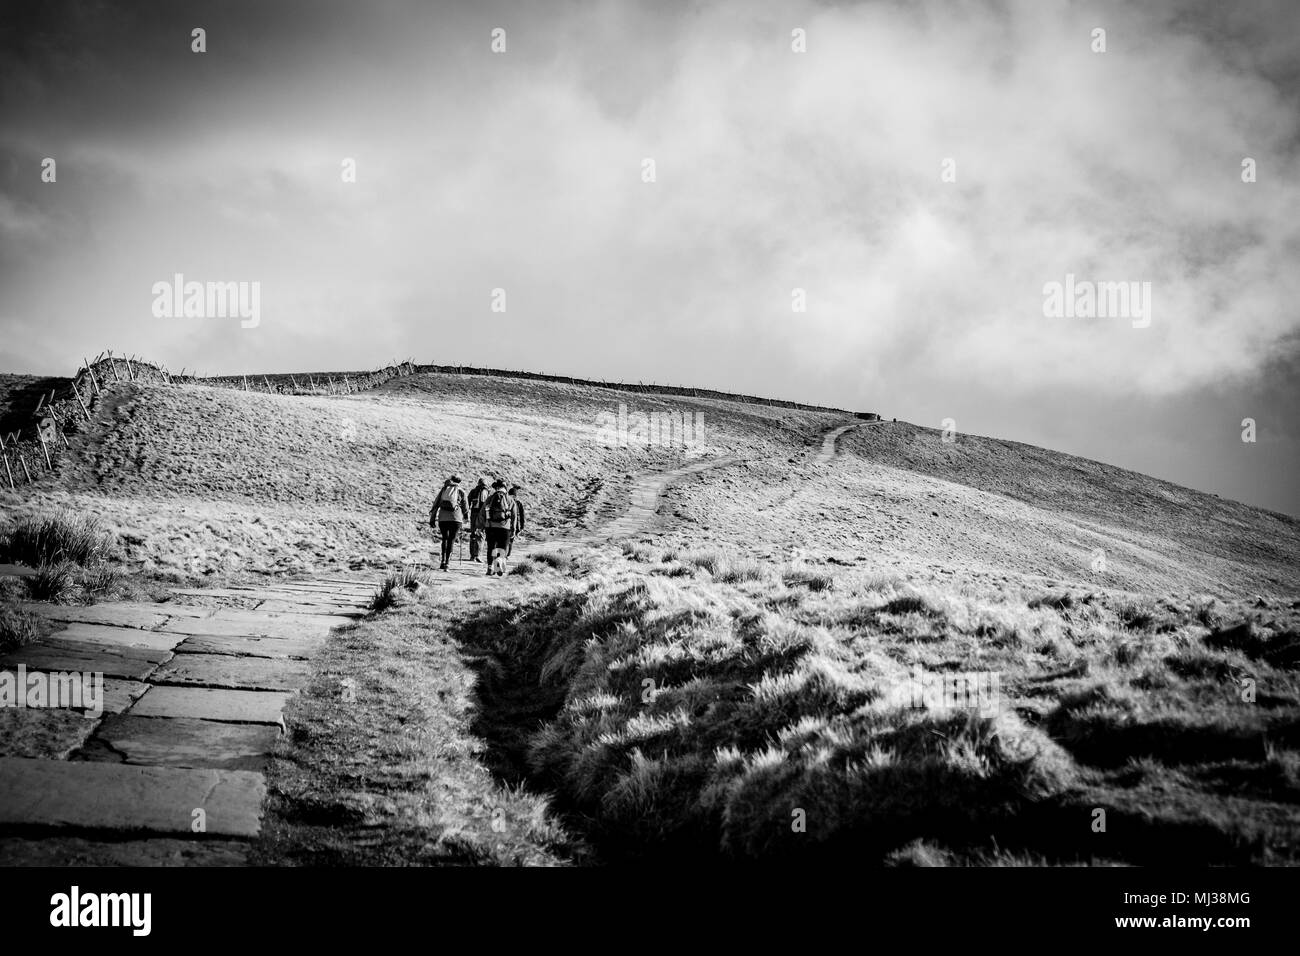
80	402
58	427
23	461
5	455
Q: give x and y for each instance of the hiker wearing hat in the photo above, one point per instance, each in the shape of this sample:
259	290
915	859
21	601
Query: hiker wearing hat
499	523
477	496
519	518
449	511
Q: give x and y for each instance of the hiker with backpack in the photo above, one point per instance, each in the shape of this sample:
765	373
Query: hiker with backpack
477	496
519	518
449	511
499	524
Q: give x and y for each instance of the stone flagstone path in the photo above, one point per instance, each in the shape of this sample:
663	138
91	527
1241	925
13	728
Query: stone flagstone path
193	702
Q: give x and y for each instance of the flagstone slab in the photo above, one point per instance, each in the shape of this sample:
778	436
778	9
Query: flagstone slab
176	609
233	706
126	798
304	648
346	612
117	694
86	659
144	616
184	742
227	622
133	652
109	636
121	694
330	590
224	670
47	733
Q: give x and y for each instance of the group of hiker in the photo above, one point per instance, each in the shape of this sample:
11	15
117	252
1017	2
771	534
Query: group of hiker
494	517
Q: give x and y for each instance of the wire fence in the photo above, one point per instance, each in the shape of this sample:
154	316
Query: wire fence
304	383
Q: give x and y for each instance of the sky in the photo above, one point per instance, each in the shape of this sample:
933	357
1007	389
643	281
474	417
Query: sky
921	171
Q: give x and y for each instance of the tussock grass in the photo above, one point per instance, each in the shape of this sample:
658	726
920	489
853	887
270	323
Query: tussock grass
398	588
55	582
728	568
688	717
1057	602
812	580
59	537
911	604
555	559
691	721
1279	649
101	581
642	553
18	626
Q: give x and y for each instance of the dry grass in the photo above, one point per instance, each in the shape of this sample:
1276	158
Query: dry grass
989	512
18	626
72	555
55	538
686	717
380	764
400	587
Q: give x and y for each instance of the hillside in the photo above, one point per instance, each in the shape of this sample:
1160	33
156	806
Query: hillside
902	500
201	481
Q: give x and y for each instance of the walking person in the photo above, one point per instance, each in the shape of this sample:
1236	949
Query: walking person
448	513
499	515
519	518
477	496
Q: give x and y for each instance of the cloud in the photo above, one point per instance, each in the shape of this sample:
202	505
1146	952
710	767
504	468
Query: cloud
776	170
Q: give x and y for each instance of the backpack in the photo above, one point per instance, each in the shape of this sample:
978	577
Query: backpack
499	507
446	504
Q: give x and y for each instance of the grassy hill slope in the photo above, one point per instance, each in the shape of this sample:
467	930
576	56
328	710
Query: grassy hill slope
198	480
899	499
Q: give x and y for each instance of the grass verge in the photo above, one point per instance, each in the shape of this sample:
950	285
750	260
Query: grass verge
379	765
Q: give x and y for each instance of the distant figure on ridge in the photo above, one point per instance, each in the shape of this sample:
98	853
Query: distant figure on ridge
499	512
449	511
519	518
477	497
